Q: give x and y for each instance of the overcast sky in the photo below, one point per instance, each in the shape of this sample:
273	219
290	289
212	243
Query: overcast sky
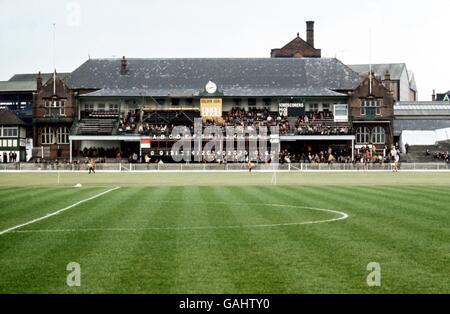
415	32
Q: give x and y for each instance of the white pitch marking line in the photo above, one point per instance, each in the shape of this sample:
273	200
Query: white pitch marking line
343	216
56	212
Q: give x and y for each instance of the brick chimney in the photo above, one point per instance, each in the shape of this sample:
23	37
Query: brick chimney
310	33
39	81
124	66
387	80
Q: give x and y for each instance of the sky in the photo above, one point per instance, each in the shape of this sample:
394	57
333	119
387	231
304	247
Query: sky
412	32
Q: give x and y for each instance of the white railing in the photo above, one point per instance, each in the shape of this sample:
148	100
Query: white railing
231	167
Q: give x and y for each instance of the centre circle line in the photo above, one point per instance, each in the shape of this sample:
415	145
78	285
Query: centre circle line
342	216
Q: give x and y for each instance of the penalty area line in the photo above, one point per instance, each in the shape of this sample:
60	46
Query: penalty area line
57	212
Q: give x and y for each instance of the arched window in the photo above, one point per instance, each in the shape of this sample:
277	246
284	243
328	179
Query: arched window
362	135
62	135
47	135
378	135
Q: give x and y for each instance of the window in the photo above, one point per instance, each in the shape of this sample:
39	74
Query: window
114	107
267	102
340	112
237	102
47	135
9	132
55	107
376	104
14	143
89	107
313	107
378	135
362	135
175	101
252	102
62	135
326	107
101	107
160	101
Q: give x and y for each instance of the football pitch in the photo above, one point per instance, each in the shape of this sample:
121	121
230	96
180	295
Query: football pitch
225	232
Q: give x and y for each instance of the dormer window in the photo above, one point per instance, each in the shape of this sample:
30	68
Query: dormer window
371	107
54	107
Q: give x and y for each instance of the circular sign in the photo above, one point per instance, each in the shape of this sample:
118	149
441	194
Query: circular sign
211	87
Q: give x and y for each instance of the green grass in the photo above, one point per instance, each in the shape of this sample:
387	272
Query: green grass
168	233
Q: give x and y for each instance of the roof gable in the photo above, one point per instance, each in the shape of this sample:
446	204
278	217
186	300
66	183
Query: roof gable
395	69
297	43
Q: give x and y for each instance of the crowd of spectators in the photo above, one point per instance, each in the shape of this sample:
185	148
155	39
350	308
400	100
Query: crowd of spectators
148	129
329	156
129	121
317	116
312	123
100	152
442	156
251	117
320	129
370	154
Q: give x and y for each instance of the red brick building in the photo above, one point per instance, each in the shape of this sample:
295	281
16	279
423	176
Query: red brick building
371	111
298	48
54	110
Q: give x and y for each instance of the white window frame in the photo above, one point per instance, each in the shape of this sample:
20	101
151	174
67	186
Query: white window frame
62	135
363	133
378	135
9	132
47	136
365	103
313	108
51	104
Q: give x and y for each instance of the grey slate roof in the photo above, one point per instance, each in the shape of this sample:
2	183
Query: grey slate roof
421	115
395	69
25	82
8	117
235	77
32	77
7	86
422	108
